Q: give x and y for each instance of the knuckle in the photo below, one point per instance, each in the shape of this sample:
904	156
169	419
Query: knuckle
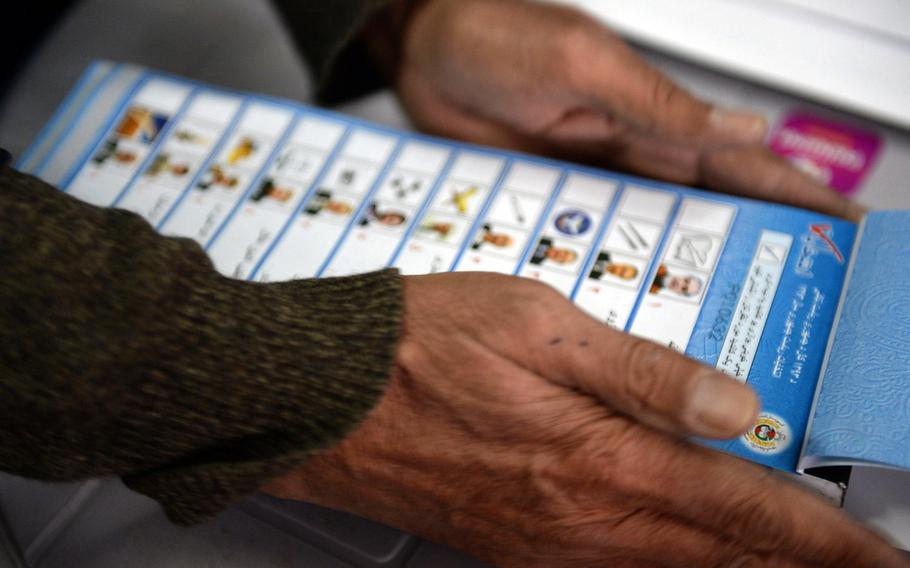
628	456
574	29
644	382
546	301
664	95
537	289
572	45
576	41
408	355
714	167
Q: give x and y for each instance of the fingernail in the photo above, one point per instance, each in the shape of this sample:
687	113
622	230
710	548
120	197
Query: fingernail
720	406
745	127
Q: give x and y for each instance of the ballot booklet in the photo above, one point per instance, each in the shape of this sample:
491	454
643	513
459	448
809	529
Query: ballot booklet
812	311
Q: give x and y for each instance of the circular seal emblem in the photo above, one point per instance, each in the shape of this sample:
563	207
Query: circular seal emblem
573	222
769	434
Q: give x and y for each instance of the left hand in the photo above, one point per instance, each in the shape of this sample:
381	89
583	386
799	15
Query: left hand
547	79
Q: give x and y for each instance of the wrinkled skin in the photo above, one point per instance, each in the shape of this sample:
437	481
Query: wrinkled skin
546	79
539	437
518	429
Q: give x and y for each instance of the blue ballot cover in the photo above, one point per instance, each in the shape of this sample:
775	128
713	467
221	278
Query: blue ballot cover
812	311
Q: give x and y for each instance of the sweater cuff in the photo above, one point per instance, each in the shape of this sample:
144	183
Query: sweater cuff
126	353
278	372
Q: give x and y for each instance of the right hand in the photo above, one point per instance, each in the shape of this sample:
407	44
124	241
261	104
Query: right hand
520	430
548	79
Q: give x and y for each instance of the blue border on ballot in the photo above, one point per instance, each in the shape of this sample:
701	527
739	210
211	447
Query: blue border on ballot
597	241
203	168
785	393
257	179
61	112
317	181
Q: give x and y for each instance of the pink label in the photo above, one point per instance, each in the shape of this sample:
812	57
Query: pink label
836	154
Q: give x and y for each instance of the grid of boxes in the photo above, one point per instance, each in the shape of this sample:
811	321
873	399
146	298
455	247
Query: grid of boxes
558	253
274	197
225	180
624	255
438	233
195	134
309	234
500	240
677	289
124	149
389	211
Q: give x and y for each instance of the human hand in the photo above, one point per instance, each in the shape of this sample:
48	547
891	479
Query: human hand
550	80
520	430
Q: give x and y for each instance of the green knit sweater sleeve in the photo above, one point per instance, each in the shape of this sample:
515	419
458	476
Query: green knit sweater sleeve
125	353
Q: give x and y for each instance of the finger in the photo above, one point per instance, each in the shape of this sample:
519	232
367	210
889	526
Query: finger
751	171
653	157
610	76
667	540
641	379
756	172
744	503
618	147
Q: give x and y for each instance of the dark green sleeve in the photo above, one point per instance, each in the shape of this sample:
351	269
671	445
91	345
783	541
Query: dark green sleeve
328	34
125	353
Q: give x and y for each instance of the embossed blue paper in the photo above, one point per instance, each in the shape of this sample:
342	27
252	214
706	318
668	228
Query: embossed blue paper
863	409
750	288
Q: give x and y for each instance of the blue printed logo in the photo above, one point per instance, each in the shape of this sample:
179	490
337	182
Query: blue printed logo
573	222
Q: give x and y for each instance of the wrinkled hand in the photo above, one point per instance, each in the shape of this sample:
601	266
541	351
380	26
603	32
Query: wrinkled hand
547	79
524	432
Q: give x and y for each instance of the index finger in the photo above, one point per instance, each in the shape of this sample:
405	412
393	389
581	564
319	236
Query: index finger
755	171
653	384
743	502
616	79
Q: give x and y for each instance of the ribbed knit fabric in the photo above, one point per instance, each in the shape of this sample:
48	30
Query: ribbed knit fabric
123	352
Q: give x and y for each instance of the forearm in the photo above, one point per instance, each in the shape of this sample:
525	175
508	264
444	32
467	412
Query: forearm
125	353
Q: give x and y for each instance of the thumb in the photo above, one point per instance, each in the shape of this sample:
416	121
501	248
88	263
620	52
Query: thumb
653	384
618	81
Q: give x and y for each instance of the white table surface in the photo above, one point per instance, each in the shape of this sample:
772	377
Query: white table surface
853	55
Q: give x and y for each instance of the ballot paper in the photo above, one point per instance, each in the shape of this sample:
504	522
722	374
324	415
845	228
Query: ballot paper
812	311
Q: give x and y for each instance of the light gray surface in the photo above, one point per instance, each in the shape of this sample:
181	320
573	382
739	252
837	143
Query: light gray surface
237	44
233	43
881	497
65	146
59	126
356	540
35	510
116	527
